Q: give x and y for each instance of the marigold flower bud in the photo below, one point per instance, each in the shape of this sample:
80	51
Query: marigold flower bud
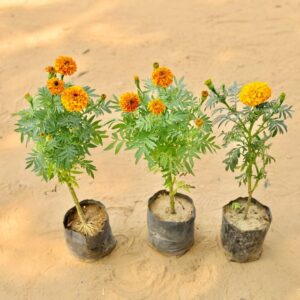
204	95
50	69
199	122
155	65
137	81
281	98
208	82
48	137
28	97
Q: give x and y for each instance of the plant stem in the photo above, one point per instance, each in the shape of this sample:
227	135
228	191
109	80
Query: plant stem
234	112
77	204
172	196
249	172
249	180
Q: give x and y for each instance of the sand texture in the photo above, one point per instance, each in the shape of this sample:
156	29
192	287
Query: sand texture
161	208
112	40
257	217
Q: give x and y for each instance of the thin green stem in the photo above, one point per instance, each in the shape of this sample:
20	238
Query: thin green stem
77	204
249	172
257	178
234	112
172	196
255	185
249	181
261	128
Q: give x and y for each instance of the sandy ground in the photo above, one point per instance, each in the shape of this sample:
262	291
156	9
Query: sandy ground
111	41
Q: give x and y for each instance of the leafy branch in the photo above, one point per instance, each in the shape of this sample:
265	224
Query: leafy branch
249	130
169	142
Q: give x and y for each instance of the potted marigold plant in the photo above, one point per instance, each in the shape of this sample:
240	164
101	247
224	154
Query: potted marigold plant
61	123
163	123
254	122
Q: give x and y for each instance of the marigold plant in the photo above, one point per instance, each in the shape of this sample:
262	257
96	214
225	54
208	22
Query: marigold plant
61	124
158	123
254	120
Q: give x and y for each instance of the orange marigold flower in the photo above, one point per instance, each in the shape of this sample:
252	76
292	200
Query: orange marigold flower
156	106
65	65
55	86
74	98
204	95
50	69
255	93
129	102
199	122
162	76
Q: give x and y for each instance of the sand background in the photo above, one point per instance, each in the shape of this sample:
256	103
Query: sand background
111	41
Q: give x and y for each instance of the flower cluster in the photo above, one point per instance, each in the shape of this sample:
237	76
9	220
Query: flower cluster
161	77
74	98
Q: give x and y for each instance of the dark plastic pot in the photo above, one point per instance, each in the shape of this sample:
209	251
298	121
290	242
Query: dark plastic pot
85	247
243	246
170	237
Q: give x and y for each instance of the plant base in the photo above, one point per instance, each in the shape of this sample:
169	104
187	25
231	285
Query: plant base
170	237
89	248
242	239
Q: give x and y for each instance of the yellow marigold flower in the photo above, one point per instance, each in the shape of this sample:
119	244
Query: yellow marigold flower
129	102
156	106
199	122
74	98
50	70
255	93
162	76
65	65
55	86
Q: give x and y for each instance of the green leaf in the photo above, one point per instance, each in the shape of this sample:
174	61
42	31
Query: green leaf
110	146
118	147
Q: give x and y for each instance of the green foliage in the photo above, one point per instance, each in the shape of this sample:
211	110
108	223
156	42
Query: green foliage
235	206
62	139
248	130
169	142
